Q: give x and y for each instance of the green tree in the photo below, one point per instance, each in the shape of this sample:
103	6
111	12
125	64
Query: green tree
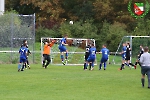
78	9
79	29
114	12
142	27
112	34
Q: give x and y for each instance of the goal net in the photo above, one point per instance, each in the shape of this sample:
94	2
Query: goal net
76	50
135	42
13	30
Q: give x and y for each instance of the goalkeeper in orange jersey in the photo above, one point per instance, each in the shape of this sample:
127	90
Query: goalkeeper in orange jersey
46	52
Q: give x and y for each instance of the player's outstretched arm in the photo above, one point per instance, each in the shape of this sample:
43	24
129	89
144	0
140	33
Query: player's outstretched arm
121	52
98	52
52	43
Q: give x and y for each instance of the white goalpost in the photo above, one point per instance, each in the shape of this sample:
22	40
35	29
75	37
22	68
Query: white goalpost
135	42
76	50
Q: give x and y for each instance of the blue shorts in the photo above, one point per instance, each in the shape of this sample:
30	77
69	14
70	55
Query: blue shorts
91	59
62	48
22	60
104	60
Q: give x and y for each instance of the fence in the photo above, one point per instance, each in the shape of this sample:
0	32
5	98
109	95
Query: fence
13	30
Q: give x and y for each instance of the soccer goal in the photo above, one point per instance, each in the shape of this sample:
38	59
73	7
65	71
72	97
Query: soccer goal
76	48
135	42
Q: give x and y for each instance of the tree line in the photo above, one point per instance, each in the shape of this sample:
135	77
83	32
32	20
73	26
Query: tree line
106	21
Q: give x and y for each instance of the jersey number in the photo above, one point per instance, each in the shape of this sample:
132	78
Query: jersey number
93	52
105	52
22	51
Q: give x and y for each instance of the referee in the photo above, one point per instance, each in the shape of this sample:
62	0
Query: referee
145	66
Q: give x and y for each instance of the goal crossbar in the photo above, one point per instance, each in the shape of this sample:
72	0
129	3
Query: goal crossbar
72	52
136	36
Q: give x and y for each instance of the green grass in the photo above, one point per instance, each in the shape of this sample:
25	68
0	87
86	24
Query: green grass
71	83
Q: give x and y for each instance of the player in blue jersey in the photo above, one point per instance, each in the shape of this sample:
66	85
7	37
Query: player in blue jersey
123	54
91	58
27	63
63	49
105	55
23	57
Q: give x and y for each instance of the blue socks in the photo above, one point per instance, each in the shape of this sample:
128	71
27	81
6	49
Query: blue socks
100	66
62	57
19	66
66	55
92	64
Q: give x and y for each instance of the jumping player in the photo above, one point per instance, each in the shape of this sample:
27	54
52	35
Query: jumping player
46	52
91	58
139	55
105	55
23	57
63	49
86	54
123	53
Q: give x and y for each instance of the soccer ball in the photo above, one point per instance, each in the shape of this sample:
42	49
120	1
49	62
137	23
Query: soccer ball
71	22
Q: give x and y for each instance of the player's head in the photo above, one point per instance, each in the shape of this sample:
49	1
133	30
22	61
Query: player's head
65	36
24	44
46	41
104	46
92	44
123	44
146	49
24	41
128	43
141	46
89	45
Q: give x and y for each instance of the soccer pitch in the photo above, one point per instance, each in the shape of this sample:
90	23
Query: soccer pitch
71	83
